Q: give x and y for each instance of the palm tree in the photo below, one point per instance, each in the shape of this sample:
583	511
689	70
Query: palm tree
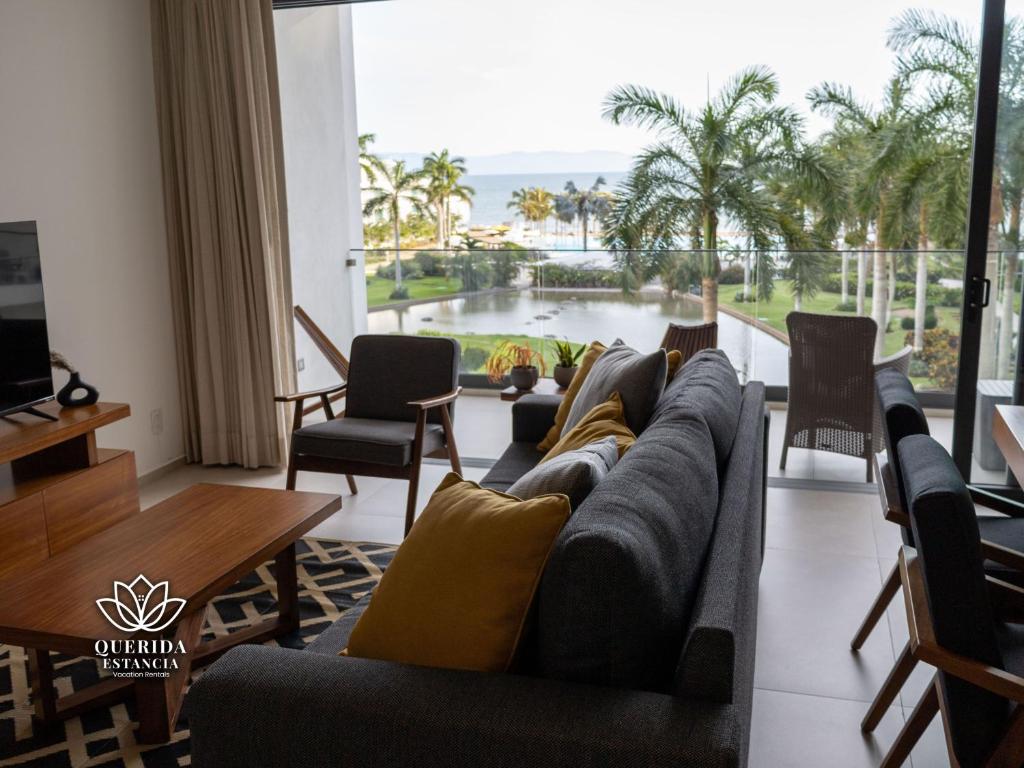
941	55
366	157
587	203
442	173
519	202
395	188
708	165
880	141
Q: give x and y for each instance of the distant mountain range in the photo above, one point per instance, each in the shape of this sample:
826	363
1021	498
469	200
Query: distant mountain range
532	162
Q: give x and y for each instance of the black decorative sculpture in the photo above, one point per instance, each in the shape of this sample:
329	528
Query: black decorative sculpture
66	397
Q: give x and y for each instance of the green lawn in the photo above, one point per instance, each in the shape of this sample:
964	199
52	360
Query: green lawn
774	312
378	289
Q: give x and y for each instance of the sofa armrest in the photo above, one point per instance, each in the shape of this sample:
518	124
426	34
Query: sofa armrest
261	706
533	416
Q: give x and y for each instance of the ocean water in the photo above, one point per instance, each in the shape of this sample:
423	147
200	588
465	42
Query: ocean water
494	192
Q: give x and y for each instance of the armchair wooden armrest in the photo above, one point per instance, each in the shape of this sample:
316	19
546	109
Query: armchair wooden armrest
300	396
926	647
889	494
434	402
1007	599
326	396
995	502
1011	558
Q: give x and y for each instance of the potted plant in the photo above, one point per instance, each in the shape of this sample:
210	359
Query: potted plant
566	367
518	361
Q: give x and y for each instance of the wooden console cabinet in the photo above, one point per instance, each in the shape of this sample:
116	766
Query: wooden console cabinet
56	486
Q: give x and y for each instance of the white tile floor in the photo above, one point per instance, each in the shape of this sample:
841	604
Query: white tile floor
827	554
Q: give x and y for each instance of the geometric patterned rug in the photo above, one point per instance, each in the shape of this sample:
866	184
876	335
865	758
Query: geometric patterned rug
333	576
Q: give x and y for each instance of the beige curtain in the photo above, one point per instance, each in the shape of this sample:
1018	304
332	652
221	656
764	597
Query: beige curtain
220	136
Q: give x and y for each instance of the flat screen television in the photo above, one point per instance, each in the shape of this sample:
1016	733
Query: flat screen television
25	376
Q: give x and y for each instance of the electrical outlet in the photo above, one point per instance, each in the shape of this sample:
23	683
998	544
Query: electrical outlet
156	421
301	364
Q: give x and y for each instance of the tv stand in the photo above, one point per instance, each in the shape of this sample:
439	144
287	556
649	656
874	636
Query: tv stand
32	411
56	486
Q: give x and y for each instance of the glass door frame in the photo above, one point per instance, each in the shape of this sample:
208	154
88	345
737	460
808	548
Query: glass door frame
977	288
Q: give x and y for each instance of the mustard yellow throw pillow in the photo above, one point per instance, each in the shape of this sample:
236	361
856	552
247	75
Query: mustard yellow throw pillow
604	420
459	588
595	350
675	359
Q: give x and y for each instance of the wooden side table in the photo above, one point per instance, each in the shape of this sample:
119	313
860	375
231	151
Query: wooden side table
542	387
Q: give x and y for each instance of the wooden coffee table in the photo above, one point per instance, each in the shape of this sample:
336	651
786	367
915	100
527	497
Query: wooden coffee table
200	541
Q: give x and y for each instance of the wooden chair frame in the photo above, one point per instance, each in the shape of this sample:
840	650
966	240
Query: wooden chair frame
410	472
1008	599
325	398
893	512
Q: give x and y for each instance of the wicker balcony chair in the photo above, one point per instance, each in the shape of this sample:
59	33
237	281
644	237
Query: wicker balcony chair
831	385
690	339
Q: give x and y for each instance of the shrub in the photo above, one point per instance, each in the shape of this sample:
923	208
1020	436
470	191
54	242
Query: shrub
931	320
410	270
731	275
401	293
584	275
918	367
940	355
430	264
850	306
473	359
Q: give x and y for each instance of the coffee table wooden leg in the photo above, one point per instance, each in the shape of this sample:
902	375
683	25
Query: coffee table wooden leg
158	700
44	695
287	589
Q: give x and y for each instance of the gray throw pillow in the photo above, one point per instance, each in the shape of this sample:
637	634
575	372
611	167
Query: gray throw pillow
575	473
639	379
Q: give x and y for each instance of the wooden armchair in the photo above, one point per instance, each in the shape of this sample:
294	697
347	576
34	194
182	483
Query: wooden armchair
400	398
1002	537
959	621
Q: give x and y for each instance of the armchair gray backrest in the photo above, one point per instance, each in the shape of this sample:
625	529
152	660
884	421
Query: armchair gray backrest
902	416
388	371
948	544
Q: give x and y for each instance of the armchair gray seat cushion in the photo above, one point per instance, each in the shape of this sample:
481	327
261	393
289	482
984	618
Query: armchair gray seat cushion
369	440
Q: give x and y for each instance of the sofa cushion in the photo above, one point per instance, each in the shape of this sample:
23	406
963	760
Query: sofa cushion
370	440
575	473
639	379
606	419
708	385
516	461
619	586
459	589
594	351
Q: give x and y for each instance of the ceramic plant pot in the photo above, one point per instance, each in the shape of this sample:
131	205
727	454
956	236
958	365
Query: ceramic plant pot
523	377
563	375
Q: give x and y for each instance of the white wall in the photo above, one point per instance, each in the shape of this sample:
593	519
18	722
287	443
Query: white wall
79	153
321	155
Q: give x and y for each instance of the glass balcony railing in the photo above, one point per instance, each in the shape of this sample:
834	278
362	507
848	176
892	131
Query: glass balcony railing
485	297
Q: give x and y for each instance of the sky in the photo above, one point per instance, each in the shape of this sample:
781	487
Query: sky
483	77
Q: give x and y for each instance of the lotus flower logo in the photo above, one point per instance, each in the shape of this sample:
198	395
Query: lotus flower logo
140	606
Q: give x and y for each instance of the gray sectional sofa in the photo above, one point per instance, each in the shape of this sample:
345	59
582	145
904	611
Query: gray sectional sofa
640	652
